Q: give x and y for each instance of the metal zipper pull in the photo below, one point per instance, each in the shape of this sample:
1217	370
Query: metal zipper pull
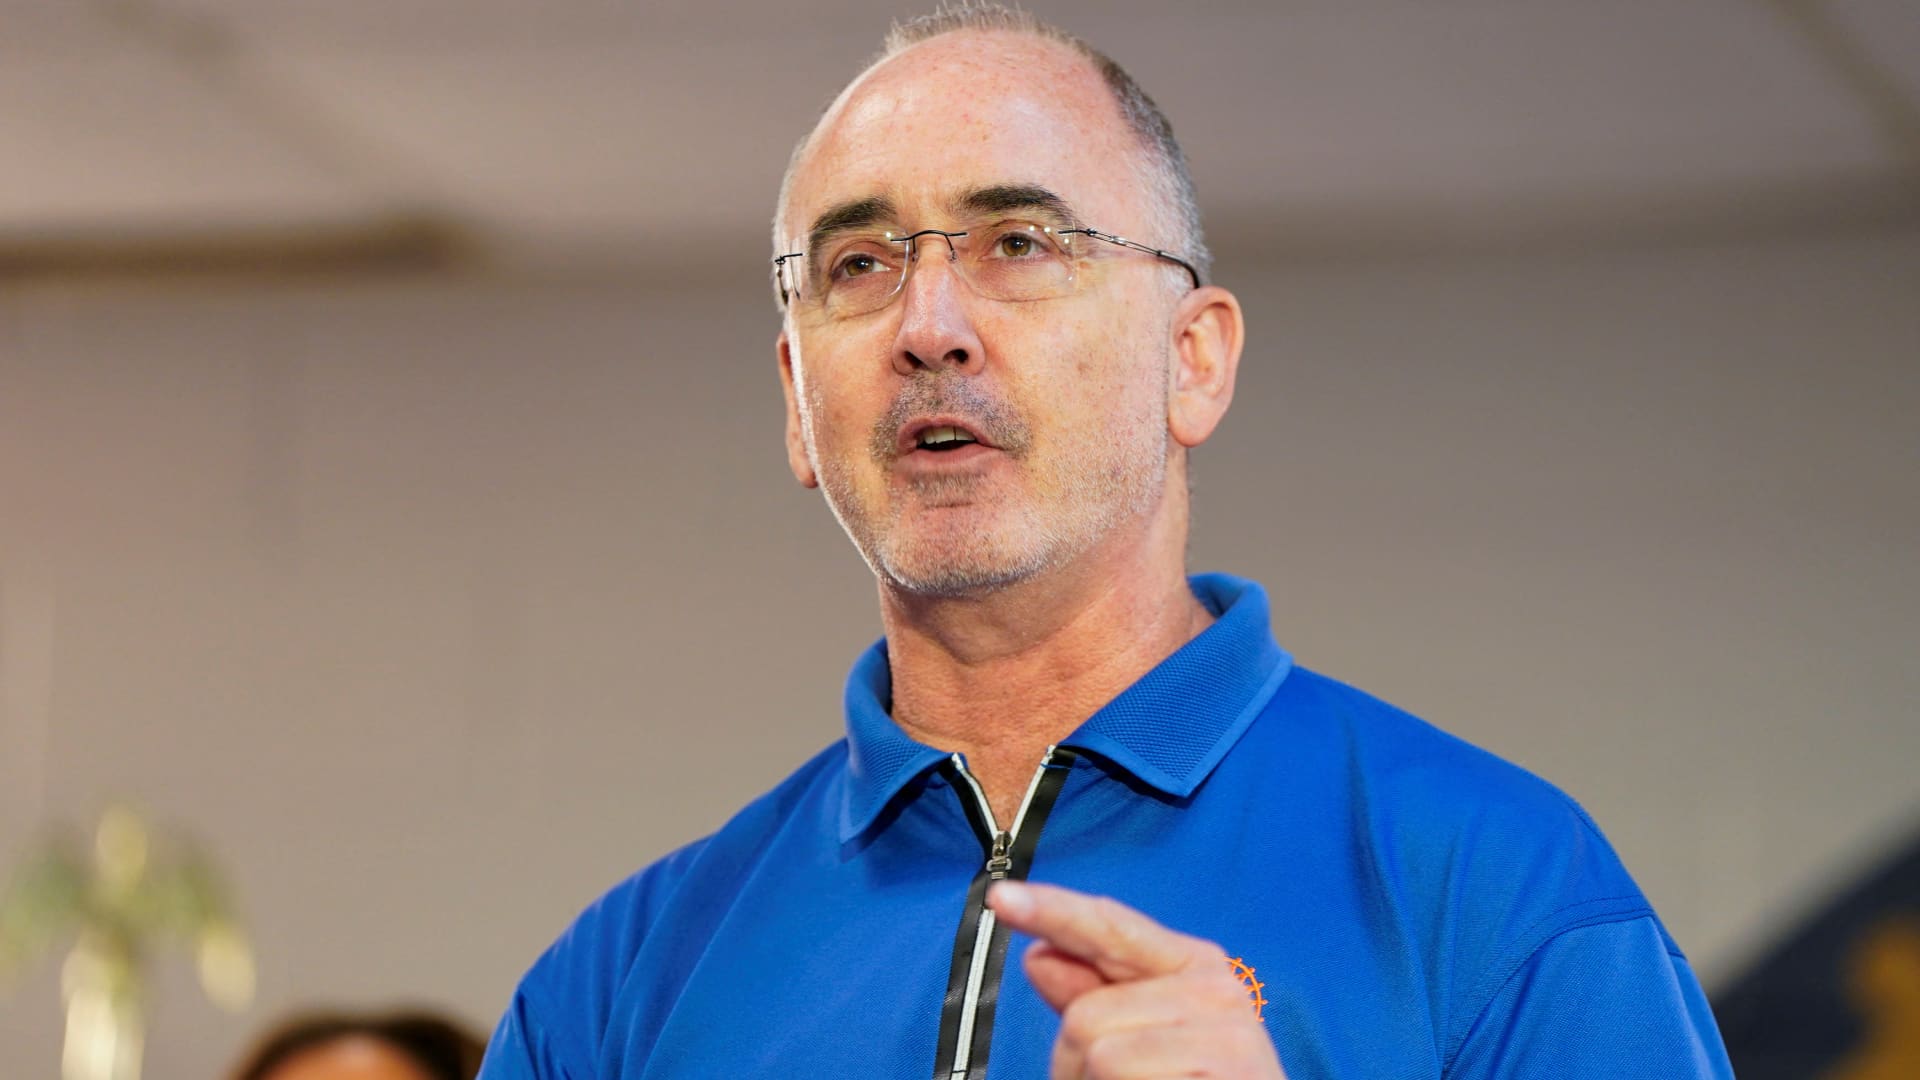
1000	863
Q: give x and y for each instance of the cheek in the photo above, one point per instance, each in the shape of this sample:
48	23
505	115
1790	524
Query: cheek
1117	376
823	416
837	406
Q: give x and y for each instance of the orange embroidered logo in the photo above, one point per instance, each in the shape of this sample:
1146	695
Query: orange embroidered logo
1244	972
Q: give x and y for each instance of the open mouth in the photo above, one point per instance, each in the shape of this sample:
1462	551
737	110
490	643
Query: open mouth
944	439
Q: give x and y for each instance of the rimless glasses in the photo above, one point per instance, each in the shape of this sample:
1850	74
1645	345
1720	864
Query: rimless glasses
856	273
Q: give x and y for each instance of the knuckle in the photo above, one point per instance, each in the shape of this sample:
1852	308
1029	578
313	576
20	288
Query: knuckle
1200	956
1079	1026
1225	990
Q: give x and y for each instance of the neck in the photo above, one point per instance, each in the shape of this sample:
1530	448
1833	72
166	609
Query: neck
1002	676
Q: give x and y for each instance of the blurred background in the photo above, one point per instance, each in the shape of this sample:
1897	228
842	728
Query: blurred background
392	492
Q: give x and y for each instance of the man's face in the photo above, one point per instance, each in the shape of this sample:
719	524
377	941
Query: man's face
1066	395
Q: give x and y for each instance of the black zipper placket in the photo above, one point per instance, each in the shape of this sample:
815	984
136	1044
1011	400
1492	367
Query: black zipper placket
980	943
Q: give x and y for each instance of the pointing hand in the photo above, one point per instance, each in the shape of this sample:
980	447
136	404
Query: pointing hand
1136	1000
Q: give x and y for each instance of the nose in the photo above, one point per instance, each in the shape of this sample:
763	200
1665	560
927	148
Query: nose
936	328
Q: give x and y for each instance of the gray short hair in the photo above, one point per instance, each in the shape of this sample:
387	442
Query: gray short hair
1164	165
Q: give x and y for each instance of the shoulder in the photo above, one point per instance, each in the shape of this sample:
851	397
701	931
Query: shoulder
1480	861
1435	792
572	987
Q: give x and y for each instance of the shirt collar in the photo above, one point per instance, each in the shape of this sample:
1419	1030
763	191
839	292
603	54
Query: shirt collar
1169	729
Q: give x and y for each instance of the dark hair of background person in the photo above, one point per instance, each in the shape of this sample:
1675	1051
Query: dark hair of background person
444	1049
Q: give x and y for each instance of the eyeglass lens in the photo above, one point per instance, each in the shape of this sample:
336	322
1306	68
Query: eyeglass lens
1007	260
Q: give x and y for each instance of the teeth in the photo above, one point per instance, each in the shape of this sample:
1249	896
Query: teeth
941	435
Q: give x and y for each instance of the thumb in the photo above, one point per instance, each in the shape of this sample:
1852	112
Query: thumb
1058	977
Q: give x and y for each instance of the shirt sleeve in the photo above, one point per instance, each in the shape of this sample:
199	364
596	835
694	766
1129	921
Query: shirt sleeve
522	1049
1613	1000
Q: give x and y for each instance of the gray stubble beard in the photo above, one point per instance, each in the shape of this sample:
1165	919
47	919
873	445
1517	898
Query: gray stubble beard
1125	483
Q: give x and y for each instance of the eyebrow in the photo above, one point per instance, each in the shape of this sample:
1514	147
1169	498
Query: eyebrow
857	214
993	199
1002	198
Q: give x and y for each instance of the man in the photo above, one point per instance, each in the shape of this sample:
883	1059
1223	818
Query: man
997	394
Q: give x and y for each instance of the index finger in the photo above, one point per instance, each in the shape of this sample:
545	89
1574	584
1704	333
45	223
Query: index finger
1118	941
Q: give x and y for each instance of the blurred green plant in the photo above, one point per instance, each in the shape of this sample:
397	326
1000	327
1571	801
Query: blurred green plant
111	904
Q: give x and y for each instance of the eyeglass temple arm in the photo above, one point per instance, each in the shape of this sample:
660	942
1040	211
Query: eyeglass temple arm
1137	246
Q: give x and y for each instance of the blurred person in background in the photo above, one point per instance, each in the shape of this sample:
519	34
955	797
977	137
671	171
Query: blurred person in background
343	1046
997	391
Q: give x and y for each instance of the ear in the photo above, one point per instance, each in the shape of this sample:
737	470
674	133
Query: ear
796	440
1208	330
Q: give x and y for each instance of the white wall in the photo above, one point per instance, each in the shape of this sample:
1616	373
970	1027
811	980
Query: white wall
429	605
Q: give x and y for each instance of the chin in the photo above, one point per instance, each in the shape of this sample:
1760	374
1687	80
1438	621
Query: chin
968	566
952	582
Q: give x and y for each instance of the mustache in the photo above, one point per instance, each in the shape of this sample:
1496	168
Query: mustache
991	418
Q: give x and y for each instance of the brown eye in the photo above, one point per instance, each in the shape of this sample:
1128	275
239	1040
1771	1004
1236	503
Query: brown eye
1016	245
856	265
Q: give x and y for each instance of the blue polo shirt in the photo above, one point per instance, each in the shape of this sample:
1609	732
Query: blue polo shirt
1398	903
